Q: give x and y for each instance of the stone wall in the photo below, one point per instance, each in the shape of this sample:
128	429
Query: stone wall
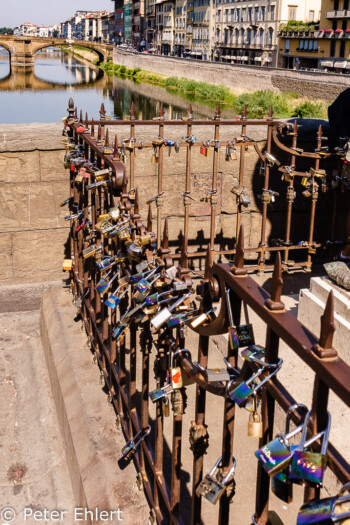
32	184
33	181
320	85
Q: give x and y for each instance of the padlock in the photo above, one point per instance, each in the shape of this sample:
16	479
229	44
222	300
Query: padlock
177	402
164	315
310	466
160	393
119	331
203	150
233	152
255	426
327	511
103	285
114	299
213	374
304	181
212	489
130	448
277	454
155	157
166	407
67	265
280	484
124	234
228	153
202	318
241	393
176	377
306	193
179	377
253	354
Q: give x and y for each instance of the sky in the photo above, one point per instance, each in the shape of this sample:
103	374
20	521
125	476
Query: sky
41	12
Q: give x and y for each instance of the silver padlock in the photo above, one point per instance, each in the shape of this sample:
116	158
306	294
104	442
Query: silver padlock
212	489
164	315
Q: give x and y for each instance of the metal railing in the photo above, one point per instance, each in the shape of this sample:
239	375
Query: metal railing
313	179
123	331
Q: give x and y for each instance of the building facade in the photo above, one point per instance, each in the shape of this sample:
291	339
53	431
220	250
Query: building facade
118	25
150	22
165	24
246	32
180	28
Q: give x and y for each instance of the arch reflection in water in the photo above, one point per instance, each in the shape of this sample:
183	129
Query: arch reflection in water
40	94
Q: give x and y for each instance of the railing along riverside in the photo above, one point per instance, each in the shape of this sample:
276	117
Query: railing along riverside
151	304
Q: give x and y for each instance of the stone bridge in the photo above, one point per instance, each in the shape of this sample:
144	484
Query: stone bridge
23	48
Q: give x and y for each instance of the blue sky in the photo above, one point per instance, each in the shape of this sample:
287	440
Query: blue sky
42	12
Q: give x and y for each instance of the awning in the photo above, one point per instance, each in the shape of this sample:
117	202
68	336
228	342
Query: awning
348	65
268	59
244	58
232	57
257	59
340	64
326	63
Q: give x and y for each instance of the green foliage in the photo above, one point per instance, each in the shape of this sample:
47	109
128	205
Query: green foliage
135	71
259	102
55	33
309	109
296	25
6	31
122	70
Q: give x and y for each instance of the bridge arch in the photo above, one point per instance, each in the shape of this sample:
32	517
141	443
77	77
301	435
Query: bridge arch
6	46
39	47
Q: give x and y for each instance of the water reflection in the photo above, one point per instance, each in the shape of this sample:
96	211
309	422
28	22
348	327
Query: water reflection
41	94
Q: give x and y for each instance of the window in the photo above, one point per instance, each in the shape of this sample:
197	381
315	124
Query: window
219	16
344	25
292	12
342	49
263	13
332	49
311	16
272	12
261	37
256	14
346	5
334	24
301	45
306	45
287	46
250	14
249	34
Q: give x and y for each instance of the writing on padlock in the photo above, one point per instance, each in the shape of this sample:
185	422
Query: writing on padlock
210	487
130	448
178	377
327	511
306	465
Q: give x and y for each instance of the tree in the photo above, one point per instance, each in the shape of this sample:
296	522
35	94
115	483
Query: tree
6	31
55	33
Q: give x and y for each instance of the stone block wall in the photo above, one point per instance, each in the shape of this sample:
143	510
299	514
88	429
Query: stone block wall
32	184
325	86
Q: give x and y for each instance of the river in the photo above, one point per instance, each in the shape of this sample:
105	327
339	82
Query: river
41	95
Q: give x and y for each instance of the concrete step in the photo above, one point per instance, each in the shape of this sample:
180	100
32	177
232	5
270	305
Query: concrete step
321	286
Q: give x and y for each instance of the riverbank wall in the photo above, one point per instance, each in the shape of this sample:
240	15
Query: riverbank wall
33	181
313	85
